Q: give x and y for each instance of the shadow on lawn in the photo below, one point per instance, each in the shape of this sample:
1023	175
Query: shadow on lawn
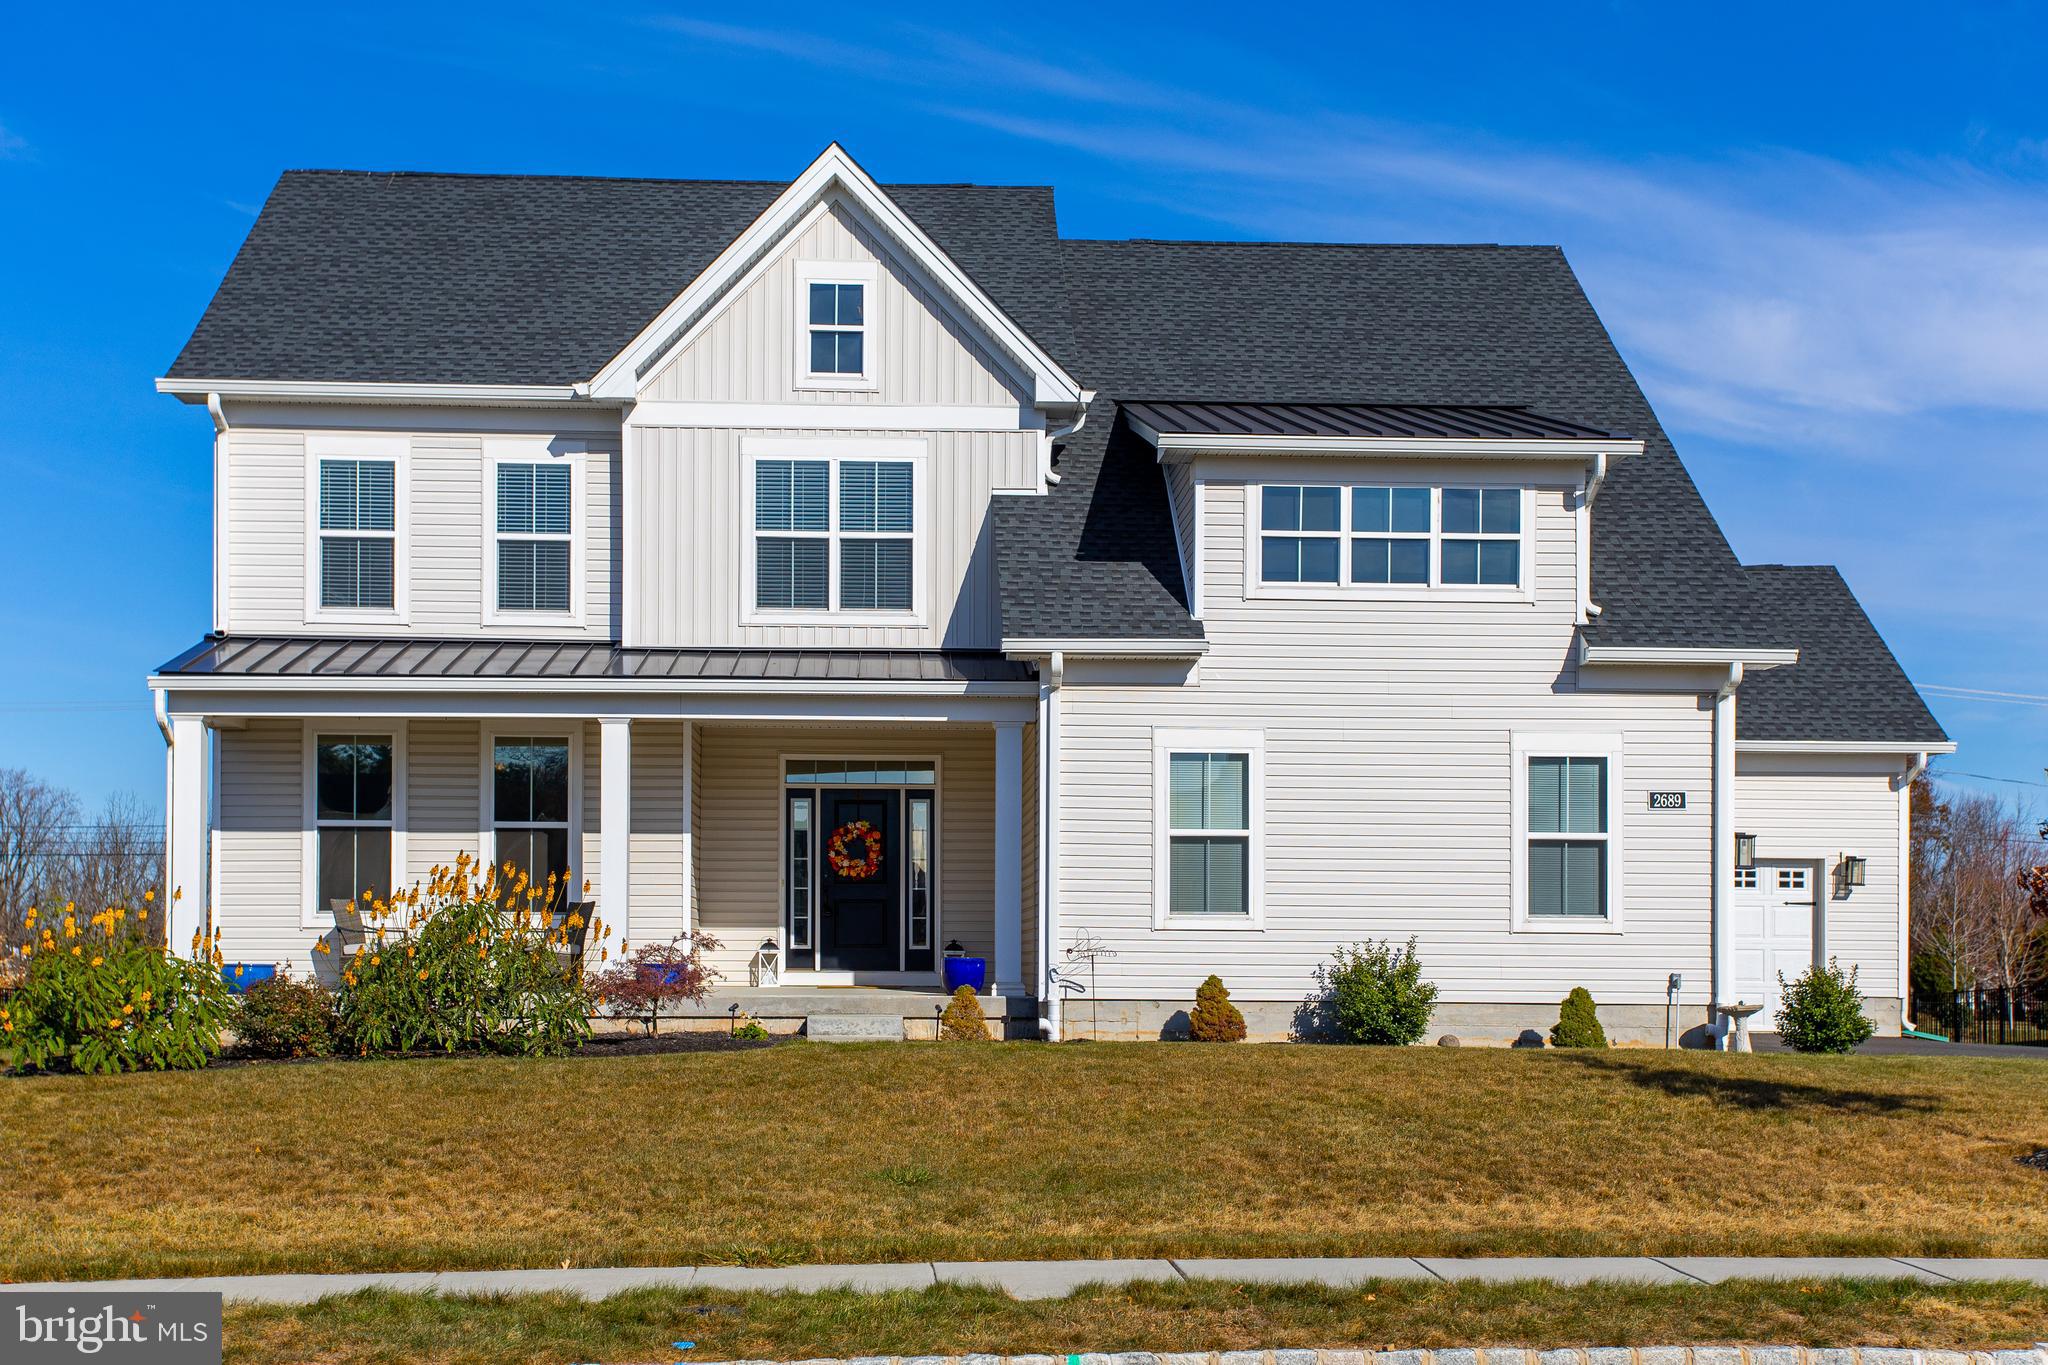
1759	1092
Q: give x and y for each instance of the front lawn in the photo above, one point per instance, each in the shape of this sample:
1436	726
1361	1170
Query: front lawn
547	1329
813	1153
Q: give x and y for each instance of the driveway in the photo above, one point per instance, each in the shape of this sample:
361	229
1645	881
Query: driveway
1920	1047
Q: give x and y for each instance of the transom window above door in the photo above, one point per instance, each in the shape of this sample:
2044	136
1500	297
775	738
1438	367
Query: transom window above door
1378	537
835	535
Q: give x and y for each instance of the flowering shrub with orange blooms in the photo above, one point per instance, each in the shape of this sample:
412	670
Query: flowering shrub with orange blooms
475	961
100	997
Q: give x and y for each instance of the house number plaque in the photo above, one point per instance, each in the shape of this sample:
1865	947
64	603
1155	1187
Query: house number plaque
1667	800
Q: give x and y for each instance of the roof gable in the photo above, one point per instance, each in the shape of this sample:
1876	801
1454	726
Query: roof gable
1846	688
834	178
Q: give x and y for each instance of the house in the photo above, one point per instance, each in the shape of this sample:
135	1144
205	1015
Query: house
1162	608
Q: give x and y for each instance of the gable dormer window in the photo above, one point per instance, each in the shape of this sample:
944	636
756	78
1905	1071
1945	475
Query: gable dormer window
835	325
1389	540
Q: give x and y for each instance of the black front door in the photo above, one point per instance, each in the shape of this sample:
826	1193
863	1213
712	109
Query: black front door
859	910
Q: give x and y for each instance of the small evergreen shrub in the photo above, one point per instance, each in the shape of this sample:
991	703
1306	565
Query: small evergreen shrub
1578	1022
285	1018
102	997
1822	1011
1375	994
1215	1019
963	1021
749	1030
471	963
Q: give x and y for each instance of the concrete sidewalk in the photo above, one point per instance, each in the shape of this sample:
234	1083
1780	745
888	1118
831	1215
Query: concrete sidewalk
1055	1279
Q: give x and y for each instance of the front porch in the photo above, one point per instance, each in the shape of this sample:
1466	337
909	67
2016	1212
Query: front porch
850	840
841	1013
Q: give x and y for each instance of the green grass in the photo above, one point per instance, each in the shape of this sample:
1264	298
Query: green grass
548	1329
885	1153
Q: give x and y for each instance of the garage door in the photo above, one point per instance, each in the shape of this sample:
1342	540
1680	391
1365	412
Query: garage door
1772	932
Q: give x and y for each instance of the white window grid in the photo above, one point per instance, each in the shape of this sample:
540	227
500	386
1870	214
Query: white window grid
1347	532
833	454
532	535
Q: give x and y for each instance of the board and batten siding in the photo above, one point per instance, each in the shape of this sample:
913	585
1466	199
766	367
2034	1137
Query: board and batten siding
918	354
1387	729
1807	808
448	503
739	816
687	528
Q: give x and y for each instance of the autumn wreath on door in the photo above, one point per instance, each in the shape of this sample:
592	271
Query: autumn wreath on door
855	850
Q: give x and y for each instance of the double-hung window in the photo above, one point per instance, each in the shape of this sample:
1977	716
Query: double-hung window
836	324
354	782
835	535
1371	537
838	327
358	533
1208	822
1568	859
535	536
531	808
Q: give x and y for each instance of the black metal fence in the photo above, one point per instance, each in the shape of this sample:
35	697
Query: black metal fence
1987	1015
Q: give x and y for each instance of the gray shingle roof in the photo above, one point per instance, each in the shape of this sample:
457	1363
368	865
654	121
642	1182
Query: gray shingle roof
1846	687
1254	322
403	277
372	659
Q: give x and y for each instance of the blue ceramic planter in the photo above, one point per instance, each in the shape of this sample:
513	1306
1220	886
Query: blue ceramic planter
966	971
661	973
240	976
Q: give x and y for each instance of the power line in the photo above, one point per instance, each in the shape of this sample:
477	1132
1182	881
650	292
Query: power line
1951	773
1985	694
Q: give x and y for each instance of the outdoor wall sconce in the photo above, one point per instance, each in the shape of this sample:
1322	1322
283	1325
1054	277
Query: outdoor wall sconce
1745	850
1852	870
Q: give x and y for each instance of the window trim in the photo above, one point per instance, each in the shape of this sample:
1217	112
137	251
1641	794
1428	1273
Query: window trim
834	452
536	451
1165	744
1524	746
486	795
339	446
1256	586
863	273
312	914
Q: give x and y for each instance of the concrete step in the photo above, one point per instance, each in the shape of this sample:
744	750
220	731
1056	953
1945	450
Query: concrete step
854	1028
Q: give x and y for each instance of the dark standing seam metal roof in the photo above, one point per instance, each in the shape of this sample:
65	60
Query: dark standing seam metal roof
1369	420
282	656
402	277
1846	685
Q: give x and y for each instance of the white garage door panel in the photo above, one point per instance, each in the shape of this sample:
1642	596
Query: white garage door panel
1771	921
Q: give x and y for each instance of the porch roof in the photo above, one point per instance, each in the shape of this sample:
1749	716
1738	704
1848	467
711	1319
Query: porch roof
298	656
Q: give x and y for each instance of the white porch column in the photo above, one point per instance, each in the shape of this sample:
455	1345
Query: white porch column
1009	888
185	863
615	828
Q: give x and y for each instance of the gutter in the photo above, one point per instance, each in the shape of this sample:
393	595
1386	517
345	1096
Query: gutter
1062	433
1106	649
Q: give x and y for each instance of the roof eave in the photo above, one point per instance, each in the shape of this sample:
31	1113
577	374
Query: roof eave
1415	447
362	391
1844	746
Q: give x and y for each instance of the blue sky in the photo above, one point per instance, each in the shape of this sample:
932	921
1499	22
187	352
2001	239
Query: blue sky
1819	235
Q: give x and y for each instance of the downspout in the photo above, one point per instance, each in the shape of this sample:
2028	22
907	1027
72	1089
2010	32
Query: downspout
1048	843
1723	847
1053	434
219	414
1912	774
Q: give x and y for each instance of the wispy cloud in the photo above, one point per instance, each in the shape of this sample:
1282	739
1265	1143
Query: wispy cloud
13	146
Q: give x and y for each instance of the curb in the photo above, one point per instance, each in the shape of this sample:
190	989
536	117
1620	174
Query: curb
1491	1355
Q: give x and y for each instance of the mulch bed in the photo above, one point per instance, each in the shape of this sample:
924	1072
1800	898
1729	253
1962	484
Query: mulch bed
2039	1160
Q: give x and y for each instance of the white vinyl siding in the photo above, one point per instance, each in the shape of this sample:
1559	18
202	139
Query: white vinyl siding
446	530
1388	727
915	349
1815	808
